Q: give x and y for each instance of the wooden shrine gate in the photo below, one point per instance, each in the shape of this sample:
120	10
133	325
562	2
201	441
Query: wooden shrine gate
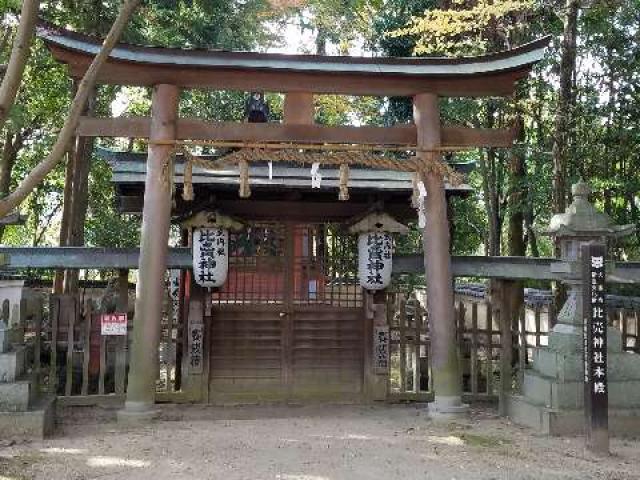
289	323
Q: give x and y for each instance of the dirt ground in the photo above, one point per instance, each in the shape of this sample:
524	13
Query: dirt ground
329	442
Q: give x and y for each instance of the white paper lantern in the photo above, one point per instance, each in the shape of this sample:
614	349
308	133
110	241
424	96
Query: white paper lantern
210	256
375	258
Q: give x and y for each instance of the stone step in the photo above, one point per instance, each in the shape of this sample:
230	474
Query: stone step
37	423
12	365
552	393
568	339
569	366
622	421
17	396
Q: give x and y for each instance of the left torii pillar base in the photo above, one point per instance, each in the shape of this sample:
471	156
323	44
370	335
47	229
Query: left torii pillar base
130	416
156	217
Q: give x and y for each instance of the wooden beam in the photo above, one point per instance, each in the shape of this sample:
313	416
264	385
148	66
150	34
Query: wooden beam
273	210
134	127
299	108
462	266
194	129
517	268
477	137
500	83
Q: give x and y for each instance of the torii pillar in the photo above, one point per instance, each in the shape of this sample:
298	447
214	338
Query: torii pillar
445	368
156	219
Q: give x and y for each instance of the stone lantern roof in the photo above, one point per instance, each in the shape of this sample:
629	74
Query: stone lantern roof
582	219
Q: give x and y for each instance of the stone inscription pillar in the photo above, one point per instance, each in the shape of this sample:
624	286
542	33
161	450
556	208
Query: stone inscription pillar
156	218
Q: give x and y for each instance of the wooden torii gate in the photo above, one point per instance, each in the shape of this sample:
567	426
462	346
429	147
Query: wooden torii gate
299	77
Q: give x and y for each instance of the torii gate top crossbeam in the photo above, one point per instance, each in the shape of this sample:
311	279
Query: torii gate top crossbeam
493	74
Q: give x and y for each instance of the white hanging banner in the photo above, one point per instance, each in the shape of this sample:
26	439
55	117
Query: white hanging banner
316	178
174	284
422	217
210	256
375	258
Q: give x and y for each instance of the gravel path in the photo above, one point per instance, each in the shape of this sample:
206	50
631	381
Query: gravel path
330	442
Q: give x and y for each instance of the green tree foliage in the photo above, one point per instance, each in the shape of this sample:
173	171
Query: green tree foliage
466	27
46	93
604	136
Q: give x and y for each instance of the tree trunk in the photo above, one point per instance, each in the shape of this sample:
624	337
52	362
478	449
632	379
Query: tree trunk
12	145
18	60
321	40
77	197
563	119
58	278
563	124
35	177
487	170
517	195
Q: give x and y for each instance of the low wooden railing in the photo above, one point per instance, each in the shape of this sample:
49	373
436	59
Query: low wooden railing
480	342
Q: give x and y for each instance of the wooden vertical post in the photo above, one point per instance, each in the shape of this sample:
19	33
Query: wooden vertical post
298	108
54	318
156	218
505	298
596	374
445	364
86	312
121	345
194	381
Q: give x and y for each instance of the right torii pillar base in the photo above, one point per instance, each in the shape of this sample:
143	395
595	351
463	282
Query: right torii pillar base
445	367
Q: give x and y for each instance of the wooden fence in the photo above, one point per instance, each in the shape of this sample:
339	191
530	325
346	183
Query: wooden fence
78	364
480	342
75	362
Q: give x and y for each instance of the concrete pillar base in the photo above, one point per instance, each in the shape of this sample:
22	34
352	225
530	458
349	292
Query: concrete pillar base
447	408
137	414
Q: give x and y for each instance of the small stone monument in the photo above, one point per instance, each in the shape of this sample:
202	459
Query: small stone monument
23	412
552	397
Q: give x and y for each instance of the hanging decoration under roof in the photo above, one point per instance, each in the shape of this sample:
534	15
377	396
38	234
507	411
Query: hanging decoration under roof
342	156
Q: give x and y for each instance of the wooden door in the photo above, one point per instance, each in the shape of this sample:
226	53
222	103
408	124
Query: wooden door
327	353
289	324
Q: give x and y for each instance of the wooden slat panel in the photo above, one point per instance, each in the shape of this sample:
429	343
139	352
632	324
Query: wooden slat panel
327	351
246	351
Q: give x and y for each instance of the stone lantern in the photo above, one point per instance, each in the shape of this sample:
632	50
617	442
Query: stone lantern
552	391
580	224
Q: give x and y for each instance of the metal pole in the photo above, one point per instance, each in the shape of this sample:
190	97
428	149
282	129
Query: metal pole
444	349
156	219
